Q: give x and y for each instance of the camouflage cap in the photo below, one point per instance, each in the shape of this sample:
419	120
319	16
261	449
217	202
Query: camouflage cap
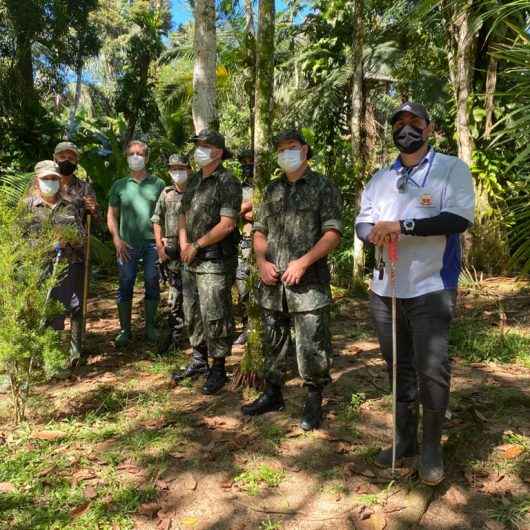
178	160
66	146
292	134
45	168
213	138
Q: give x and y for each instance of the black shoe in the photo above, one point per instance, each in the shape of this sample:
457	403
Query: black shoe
270	401
312	416
216	378
406	435
431	461
197	366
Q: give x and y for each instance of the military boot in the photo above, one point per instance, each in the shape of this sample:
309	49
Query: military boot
124	313
431	460
197	366
406	435
270	401
216	378
150	309
76	339
312	415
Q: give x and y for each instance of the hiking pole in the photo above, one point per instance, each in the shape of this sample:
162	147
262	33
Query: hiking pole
86	278
393	259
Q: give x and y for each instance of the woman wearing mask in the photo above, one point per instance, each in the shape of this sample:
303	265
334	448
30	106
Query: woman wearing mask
165	224
47	209
132	202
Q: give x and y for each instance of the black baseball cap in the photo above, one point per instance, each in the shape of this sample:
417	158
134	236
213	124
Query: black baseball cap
213	138
292	134
414	108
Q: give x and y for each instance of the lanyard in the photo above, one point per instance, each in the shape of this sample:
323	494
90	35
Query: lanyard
408	174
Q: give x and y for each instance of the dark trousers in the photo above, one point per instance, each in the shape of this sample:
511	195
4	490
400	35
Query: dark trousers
423	365
68	291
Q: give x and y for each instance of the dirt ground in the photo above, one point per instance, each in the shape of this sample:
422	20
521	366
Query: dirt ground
199	464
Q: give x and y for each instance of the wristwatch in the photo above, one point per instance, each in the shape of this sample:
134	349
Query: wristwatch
407	226
196	245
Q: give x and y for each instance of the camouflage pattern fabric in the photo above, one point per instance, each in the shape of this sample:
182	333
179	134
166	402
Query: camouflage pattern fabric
293	217
208	310
175	300
166	214
64	218
76	192
204	202
313	345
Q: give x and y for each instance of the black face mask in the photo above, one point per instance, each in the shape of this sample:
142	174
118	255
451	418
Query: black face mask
248	171
408	139
66	167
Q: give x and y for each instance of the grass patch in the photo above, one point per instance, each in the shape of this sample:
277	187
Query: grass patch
479	341
350	411
270	524
252	481
512	511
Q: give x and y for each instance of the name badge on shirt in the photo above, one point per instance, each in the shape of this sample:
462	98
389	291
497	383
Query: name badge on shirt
425	200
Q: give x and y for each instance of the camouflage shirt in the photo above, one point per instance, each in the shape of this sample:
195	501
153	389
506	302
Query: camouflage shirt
65	221
76	191
205	200
293	217
167	214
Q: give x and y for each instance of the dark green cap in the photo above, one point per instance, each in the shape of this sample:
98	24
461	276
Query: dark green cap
292	134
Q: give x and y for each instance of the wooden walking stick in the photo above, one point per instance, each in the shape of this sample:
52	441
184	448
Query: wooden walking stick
87	271
393	259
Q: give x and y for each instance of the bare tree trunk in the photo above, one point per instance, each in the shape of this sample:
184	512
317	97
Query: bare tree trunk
77	98
489	103
204	106
464	60
357	122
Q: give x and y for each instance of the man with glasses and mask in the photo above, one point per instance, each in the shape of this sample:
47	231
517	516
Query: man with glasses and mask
208	235
132	202
298	224
425	200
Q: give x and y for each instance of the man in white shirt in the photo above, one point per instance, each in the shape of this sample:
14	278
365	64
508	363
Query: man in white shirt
425	199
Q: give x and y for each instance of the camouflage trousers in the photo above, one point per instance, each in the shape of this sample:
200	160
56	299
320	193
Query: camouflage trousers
175	302
208	310
312	343
243	269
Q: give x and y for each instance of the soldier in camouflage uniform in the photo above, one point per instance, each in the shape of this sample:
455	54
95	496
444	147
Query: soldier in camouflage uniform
47	207
80	192
297	226
246	159
208	242
165	224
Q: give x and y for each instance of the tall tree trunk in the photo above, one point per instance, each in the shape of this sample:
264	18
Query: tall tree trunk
357	122
464	59
250	370
77	97
489	103
204	106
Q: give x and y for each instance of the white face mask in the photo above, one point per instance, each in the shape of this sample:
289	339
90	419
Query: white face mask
203	156
136	162
179	176
48	188
290	160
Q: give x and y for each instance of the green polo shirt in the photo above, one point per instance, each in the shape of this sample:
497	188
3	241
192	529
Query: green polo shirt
136	201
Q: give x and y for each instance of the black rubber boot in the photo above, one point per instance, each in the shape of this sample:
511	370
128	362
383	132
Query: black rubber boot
270	401
197	366
312	416
431	460
406	435
216	377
